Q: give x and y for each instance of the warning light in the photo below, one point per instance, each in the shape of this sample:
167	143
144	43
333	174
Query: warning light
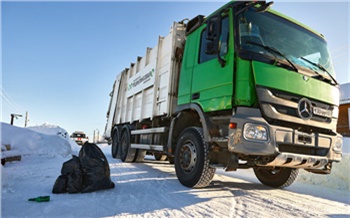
233	125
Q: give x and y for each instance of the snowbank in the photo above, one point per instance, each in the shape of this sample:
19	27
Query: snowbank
50	129
32	141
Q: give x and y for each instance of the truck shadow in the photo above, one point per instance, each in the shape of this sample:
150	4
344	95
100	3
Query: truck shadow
152	186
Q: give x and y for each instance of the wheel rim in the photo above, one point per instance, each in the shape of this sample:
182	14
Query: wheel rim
188	157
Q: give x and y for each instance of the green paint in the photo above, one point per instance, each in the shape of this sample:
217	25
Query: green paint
245	87
219	88
293	82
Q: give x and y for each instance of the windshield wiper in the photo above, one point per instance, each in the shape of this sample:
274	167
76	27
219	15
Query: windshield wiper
274	50
322	68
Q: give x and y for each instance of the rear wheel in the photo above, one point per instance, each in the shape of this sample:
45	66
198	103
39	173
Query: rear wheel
170	159
127	154
115	143
278	177
192	159
159	156
140	155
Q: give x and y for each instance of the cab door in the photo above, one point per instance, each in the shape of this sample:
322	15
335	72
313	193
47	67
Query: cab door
212	83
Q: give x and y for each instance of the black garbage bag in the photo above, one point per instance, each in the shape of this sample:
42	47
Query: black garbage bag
60	185
71	179
96	172
74	174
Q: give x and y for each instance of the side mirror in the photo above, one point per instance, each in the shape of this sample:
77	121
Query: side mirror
213	27
213	34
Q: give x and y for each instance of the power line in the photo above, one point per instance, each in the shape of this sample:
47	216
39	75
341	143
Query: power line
340	51
11	103
340	55
341	48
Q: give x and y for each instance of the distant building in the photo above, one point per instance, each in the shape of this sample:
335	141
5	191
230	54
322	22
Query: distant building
343	126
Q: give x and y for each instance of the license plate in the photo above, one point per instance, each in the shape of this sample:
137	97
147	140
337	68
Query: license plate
322	112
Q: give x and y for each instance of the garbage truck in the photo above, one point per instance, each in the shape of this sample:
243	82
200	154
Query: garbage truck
245	87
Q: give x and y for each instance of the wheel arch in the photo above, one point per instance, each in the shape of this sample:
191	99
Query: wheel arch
186	116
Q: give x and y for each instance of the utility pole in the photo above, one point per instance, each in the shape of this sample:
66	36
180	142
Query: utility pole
26	120
14	116
96	135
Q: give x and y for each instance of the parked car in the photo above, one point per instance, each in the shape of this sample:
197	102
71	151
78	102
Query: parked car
79	137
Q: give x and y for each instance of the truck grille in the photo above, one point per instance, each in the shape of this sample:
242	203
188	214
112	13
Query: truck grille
295	99
281	106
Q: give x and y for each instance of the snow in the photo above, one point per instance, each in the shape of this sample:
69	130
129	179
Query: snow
44	140
151	189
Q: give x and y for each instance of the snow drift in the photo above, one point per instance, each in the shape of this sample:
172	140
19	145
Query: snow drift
29	141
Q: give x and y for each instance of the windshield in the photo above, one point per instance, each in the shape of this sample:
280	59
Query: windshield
298	45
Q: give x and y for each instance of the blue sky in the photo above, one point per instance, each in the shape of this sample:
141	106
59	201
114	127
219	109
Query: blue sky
60	59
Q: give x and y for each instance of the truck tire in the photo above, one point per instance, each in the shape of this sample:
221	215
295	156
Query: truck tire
278	177
170	159
192	159
127	154
115	143
161	157
140	155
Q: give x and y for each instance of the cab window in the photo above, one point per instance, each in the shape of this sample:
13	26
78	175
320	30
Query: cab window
224	40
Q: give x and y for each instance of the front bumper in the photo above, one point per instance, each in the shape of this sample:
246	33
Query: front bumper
285	147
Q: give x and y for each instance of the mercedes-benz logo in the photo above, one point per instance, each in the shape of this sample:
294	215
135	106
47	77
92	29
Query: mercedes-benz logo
305	109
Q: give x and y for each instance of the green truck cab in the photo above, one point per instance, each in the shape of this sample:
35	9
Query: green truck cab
272	78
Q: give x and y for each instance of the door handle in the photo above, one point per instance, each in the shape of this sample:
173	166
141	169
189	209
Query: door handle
195	96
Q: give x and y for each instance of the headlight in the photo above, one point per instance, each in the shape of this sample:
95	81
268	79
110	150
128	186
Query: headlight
338	144
255	132
335	112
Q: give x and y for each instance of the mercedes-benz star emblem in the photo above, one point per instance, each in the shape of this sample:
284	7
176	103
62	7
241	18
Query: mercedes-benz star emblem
305	109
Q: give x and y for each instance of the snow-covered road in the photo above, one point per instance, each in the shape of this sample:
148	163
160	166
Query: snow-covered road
151	188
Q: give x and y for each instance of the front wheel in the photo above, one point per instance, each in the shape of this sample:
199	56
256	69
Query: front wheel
278	177
192	159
